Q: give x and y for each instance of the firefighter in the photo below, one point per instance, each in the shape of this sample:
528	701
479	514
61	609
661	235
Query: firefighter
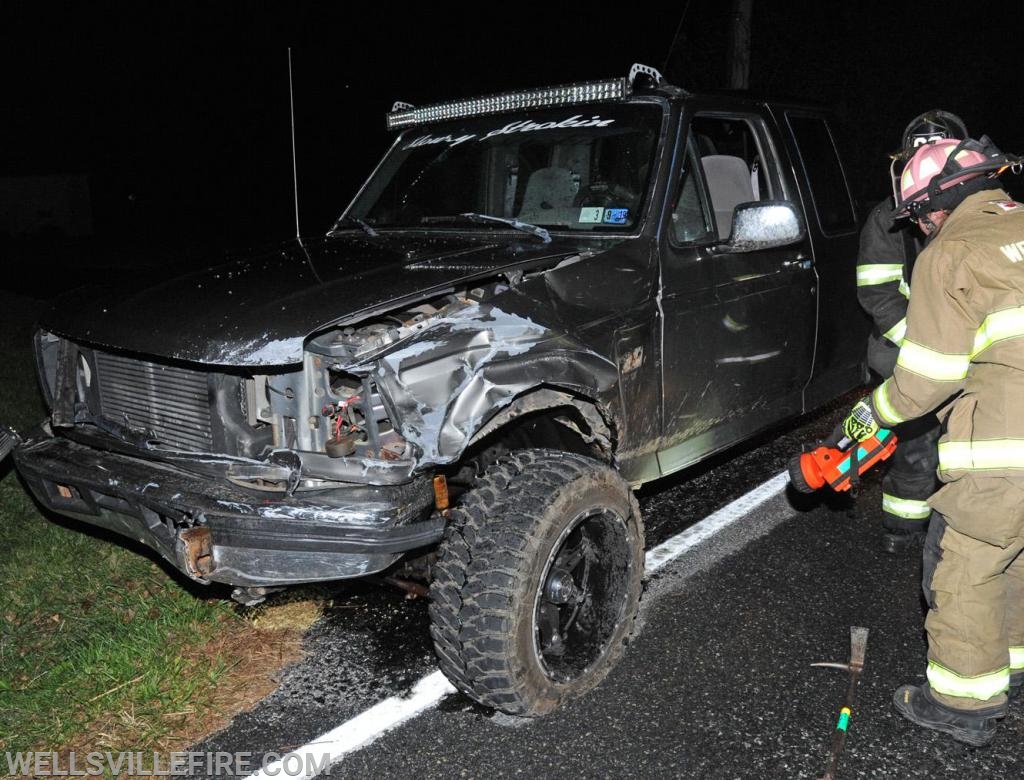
888	249
963	354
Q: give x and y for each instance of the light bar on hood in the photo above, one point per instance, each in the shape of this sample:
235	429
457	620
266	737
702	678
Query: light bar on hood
565	95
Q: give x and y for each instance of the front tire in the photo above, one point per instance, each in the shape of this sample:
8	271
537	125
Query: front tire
538	581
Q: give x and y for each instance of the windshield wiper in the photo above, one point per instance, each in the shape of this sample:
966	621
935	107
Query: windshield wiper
514	223
472	216
359	223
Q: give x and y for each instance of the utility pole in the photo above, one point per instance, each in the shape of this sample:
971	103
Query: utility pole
739	44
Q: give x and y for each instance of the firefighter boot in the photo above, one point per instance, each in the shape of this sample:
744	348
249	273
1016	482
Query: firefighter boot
1016	683
972	727
899	542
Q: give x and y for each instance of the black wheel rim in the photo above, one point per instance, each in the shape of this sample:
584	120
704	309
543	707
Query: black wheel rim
582	595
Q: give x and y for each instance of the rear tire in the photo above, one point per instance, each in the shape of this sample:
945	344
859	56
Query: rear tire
538	581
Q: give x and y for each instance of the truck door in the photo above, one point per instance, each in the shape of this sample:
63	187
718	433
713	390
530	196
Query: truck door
738	355
832	227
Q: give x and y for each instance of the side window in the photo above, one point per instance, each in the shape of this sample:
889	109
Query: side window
824	172
690	219
737	167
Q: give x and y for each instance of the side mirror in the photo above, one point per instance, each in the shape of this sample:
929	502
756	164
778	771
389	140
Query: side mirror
764	225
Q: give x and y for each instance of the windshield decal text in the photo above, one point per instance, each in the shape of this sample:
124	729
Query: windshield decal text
529	126
521	126
430	140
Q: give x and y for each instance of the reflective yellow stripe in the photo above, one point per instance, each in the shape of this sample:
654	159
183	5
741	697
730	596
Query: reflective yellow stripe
999	326
882	407
904	289
931	364
906	508
879	273
1017	658
1012	252
982	687
981	455
896	333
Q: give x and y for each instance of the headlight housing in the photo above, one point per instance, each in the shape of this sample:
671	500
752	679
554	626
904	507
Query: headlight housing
47	353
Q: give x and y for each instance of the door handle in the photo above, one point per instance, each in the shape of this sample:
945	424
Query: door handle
801	262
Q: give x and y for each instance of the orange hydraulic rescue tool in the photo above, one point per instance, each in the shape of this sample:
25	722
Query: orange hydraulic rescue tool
839	466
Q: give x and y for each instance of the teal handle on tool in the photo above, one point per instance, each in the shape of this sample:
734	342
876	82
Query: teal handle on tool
844	719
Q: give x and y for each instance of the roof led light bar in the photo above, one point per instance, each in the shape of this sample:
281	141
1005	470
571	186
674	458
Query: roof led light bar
565	95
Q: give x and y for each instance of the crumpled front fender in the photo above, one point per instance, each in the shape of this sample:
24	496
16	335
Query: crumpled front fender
448	382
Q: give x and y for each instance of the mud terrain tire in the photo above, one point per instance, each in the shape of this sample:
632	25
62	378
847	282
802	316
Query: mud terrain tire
538	581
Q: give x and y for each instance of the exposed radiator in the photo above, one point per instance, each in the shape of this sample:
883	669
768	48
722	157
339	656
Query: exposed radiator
172	403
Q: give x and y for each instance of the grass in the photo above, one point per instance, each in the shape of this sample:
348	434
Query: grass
101	648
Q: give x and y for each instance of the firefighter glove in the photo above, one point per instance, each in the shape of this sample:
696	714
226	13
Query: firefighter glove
860	424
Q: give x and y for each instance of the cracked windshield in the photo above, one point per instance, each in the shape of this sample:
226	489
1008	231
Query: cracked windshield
580	168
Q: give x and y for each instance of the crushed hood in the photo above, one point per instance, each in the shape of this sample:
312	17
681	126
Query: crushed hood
257	311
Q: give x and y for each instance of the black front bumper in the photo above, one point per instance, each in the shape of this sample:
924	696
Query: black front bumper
214	531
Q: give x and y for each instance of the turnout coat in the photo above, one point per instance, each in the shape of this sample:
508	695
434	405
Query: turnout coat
964	341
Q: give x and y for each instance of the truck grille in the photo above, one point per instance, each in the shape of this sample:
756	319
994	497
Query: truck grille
170	402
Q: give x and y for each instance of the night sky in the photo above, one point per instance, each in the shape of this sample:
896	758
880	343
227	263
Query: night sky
181	123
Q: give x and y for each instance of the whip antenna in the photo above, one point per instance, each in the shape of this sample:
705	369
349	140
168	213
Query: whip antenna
295	168
675	39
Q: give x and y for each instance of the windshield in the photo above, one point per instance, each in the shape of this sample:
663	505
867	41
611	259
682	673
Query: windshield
580	168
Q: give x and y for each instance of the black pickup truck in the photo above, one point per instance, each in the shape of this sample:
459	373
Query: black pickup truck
538	302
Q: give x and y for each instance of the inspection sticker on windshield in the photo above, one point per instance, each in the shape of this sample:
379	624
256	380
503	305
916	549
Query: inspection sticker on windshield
616	216
591	214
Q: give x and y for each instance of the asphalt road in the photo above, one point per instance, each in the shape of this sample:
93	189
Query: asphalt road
717	681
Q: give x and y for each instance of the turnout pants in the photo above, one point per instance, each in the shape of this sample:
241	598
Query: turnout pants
911	478
974	584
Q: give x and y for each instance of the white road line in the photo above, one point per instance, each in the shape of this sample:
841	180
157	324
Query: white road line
364	728
359	731
713	523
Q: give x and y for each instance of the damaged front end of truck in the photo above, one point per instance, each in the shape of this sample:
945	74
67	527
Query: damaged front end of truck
266	476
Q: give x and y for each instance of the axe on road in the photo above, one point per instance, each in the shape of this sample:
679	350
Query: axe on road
858	646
